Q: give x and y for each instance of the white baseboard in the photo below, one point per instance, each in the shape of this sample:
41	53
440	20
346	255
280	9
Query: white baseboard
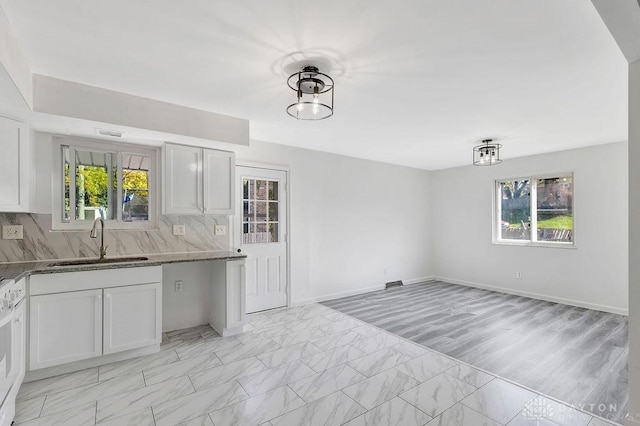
418	280
338	295
348	293
572	302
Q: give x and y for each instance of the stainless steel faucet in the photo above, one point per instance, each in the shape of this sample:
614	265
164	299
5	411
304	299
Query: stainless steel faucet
94	234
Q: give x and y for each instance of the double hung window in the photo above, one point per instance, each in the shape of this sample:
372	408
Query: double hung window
535	209
114	182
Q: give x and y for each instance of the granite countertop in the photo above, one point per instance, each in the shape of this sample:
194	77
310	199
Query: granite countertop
18	270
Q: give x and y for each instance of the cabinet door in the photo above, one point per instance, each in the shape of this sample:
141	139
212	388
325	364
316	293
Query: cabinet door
182	180
132	317
14	166
219	181
64	327
20	334
236	294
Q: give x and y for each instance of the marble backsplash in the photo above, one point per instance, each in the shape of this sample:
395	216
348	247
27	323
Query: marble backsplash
40	243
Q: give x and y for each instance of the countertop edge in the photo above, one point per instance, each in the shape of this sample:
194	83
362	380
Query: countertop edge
21	270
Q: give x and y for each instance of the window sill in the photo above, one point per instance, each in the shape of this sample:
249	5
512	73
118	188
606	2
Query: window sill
534	244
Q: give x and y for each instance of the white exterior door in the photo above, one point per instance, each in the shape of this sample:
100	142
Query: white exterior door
260	232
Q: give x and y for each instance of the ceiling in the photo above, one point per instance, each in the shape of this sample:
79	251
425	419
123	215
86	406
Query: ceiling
415	85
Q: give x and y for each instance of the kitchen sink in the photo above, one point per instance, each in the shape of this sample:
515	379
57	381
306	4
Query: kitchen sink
97	261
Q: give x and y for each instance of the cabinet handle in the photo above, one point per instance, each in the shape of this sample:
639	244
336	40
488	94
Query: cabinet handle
99	296
108	296
18	320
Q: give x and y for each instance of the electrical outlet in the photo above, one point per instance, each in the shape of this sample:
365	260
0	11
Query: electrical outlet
178	285
12	232
179	230
220	230
519	275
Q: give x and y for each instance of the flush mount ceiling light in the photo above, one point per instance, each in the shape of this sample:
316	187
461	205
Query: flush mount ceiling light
314	92
487	154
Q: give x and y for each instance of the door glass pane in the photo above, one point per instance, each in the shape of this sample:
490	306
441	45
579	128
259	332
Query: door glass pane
515	205
245	189
261	211
252	190
246	211
135	187
273	190
93	184
273	211
273	233
261	190
555	209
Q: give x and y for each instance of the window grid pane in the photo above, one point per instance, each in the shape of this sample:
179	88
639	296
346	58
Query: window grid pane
515	208
66	177
555	209
92	185
135	195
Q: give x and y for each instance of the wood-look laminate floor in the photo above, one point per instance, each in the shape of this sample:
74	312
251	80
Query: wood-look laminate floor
574	354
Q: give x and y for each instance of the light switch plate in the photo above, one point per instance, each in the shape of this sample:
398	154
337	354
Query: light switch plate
220	230
179	230
12	232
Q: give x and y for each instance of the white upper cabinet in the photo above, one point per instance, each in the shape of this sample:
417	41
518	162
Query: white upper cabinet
219	179
182	180
198	180
14	166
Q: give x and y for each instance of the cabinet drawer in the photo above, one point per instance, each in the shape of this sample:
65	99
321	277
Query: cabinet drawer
89	280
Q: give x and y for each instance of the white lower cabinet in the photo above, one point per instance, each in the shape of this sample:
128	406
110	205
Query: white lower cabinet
132	317
227	298
65	327
20	329
81	315
236	294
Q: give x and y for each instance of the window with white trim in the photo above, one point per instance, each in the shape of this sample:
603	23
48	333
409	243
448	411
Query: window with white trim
535	209
115	182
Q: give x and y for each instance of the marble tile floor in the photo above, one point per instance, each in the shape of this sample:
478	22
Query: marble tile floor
306	365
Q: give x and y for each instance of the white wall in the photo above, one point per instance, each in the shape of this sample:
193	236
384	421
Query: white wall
594	274
350	220
14	61
190	307
70	99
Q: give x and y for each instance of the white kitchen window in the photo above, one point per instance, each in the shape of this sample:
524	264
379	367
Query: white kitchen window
115	182
535	210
